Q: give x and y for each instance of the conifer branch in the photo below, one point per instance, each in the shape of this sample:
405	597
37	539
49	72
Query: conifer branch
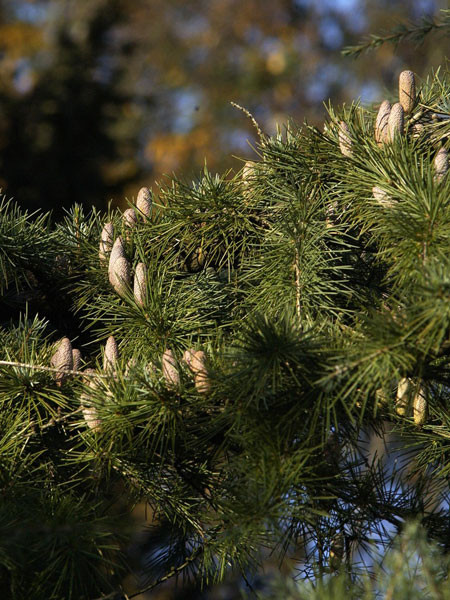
414	32
10	363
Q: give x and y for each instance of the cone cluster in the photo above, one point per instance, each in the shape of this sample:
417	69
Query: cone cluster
119	268
390	121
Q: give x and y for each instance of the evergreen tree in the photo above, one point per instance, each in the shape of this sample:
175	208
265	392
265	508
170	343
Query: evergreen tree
243	339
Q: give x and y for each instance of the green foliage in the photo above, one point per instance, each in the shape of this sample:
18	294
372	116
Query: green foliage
283	311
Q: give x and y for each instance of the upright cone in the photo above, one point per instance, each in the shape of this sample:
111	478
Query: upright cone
420	406
76	359
403	396
118	251
345	140
111	355
381	123
62	359
407	90
106	241
120	276
169	370
129	217
196	359
440	164
140	284
90	412
396	121
144	201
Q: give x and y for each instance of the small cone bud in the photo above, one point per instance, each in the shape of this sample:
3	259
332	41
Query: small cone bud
106	241
381	123
407	90
144	201
441	164
118	251
76	359
140	284
345	141
396	121
403	395
120	276
62	359
169	369
420	407
111	355
381	196
129	218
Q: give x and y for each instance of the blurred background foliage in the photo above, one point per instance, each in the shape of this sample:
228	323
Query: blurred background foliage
99	97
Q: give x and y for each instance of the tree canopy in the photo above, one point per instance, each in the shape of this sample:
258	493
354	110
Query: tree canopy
230	351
